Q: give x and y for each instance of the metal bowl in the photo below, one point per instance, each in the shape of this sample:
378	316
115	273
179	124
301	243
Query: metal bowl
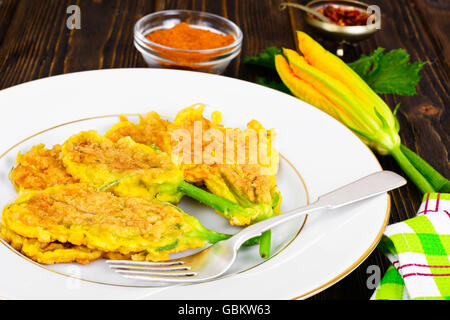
341	33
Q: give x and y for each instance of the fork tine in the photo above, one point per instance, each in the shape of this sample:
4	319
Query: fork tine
155	279
145	268
155	274
144	263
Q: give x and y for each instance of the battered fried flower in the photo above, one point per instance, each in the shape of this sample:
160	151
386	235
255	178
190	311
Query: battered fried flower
151	131
246	175
124	167
238	178
117	211
77	223
39	169
247	178
49	253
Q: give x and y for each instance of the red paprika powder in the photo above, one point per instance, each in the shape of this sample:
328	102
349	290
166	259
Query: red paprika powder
184	37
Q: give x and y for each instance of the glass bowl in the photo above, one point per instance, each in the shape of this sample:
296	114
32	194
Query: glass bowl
210	60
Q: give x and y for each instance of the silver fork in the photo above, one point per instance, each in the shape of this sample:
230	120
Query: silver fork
217	259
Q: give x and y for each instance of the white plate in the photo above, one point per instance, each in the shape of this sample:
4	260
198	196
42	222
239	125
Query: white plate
319	155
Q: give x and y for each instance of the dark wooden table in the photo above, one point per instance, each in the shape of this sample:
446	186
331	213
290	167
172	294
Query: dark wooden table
35	43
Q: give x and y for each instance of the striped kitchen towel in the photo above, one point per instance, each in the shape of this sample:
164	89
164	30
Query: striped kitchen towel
419	250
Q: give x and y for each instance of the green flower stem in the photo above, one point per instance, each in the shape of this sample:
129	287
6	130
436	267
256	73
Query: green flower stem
264	247
252	242
224	206
415	176
437	181
213	237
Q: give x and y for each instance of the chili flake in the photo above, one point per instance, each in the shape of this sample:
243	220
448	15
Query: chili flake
344	16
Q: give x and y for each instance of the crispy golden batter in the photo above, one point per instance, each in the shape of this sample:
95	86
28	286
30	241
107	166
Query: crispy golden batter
235	175
151	130
125	167
100	223
49	253
55	252
116	211
256	180
39	169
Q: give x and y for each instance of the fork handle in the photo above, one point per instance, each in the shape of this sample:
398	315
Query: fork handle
367	187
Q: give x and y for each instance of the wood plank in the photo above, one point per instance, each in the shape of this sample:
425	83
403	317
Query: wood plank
263	25
32	49
7	10
196	5
28	43
423	118
106	37
434	18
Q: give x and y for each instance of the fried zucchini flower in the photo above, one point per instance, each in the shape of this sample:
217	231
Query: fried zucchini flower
223	160
39	169
78	223
126	168
151	130
226	167
52	252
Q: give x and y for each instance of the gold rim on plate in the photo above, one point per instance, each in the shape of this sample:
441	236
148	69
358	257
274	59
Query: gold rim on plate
131	286
303	296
